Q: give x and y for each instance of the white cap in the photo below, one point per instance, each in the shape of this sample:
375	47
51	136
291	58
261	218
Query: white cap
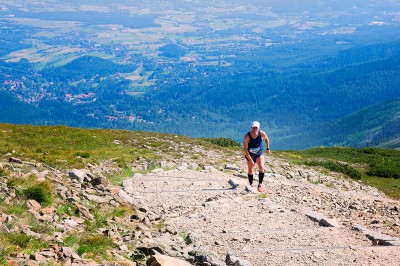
255	124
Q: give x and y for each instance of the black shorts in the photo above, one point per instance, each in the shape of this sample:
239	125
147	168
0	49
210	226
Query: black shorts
253	156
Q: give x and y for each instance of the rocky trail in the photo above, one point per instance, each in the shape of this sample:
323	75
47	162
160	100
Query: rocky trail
192	215
302	217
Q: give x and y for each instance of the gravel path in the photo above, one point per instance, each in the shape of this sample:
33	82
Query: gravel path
271	228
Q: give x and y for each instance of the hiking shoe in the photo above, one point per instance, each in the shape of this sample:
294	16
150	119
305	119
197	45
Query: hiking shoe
259	188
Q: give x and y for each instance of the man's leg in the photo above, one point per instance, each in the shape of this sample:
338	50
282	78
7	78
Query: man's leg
250	171
260	163
250	177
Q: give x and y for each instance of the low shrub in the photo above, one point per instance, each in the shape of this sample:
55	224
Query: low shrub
223	142
337	167
384	170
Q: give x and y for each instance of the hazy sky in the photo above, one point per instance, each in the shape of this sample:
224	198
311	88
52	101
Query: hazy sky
275	5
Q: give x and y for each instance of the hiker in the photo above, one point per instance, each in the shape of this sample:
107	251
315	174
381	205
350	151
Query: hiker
253	151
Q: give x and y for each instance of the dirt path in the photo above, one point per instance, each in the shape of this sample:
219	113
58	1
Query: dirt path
272	228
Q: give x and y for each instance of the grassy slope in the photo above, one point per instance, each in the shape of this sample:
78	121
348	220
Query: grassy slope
66	147
378	167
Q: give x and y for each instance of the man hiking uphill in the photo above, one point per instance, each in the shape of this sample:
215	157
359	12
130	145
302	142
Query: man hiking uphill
253	151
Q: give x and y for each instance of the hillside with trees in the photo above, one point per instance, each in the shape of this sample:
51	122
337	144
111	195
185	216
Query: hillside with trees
374	126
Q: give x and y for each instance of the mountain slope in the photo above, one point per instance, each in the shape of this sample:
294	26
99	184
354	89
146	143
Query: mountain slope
377	125
14	111
72	196
372	126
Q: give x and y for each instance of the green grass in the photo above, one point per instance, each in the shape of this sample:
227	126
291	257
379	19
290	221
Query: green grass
65	147
3	255
315	182
96	245
382	161
30	188
3	172
100	219
103	214
374	166
389	186
160	225
14	208
67	208
123	211
15	241
90	245
117	178
53	145
262	195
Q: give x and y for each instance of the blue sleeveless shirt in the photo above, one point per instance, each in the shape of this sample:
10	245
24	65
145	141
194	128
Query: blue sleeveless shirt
255	146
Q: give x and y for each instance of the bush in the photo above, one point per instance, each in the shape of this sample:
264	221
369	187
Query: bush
224	142
384	170
337	167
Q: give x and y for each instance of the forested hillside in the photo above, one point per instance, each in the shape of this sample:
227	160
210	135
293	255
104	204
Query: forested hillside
374	126
85	67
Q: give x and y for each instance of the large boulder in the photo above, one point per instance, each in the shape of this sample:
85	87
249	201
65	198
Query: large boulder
163	260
